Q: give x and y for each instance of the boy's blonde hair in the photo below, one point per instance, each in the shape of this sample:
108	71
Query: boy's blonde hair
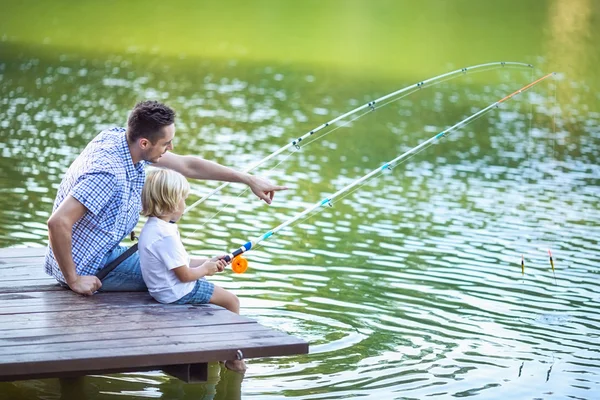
162	192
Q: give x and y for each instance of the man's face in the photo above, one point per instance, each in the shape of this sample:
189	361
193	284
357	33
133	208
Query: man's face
153	152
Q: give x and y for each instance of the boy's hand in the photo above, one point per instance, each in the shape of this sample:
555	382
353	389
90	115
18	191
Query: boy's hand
221	264
210	268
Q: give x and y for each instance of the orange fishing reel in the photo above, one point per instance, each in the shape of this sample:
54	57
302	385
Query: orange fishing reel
239	265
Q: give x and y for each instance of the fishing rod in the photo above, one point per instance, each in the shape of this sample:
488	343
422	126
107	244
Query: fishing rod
102	273
240	264
295	144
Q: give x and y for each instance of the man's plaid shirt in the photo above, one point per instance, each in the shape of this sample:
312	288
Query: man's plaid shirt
104	179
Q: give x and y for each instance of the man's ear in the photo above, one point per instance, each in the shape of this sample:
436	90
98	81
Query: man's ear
144	143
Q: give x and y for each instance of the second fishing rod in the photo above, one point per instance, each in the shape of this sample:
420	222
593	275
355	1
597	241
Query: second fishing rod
240	264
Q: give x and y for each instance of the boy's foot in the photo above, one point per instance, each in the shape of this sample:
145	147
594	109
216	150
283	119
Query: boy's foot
238	366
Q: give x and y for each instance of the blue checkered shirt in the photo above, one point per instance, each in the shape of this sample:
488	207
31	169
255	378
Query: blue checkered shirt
104	179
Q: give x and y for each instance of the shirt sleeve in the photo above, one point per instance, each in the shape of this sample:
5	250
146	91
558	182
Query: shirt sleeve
94	190
170	251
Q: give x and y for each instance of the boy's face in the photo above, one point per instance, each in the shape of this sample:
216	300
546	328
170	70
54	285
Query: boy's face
179	212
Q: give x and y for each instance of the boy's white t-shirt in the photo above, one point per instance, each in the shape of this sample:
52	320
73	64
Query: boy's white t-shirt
161	250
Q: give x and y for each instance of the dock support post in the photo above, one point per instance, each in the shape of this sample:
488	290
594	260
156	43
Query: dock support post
72	388
189	373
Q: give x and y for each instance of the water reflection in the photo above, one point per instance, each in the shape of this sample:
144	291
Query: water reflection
221	384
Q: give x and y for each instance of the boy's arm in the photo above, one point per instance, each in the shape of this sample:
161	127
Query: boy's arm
187	274
197	261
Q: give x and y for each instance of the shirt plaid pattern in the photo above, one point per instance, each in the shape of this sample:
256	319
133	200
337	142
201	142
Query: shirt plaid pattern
104	179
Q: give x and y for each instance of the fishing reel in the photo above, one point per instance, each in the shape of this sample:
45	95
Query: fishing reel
239	265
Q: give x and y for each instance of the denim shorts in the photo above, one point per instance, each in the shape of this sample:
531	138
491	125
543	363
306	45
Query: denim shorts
200	294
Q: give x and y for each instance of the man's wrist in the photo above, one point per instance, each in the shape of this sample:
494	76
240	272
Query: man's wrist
71	278
245	178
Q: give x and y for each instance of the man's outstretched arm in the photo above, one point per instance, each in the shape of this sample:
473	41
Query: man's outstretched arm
198	168
60	227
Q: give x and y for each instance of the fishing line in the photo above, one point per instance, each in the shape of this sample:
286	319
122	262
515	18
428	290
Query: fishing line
370	106
364	183
356	188
240	264
525	181
554	112
400	98
287	156
314	139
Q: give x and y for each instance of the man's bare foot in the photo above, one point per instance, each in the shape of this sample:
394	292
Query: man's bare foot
238	366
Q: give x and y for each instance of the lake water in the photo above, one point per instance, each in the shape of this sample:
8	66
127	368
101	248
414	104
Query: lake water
411	286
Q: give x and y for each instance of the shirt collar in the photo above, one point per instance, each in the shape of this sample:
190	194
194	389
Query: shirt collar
170	226
133	170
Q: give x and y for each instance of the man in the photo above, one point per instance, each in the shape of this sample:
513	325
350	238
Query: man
98	202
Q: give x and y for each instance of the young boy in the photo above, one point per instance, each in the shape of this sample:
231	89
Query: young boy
171	275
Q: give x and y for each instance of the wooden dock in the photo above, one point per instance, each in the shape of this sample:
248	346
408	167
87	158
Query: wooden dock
48	331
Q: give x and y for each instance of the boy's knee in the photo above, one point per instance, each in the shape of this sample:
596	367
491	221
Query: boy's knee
226	299
234	302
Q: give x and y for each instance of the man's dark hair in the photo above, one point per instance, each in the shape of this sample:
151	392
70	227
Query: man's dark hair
146	120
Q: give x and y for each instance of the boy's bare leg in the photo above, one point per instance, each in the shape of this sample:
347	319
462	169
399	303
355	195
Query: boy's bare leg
223	298
230	301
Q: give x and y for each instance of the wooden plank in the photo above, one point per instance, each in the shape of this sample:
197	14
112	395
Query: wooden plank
49	285
67	296
122	325
114	347
19	276
68	317
79	303
93	321
44	282
269	344
26	276
35	263
17	295
25	273
20	252
111	297
23	304
10	272
22	259
88	339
